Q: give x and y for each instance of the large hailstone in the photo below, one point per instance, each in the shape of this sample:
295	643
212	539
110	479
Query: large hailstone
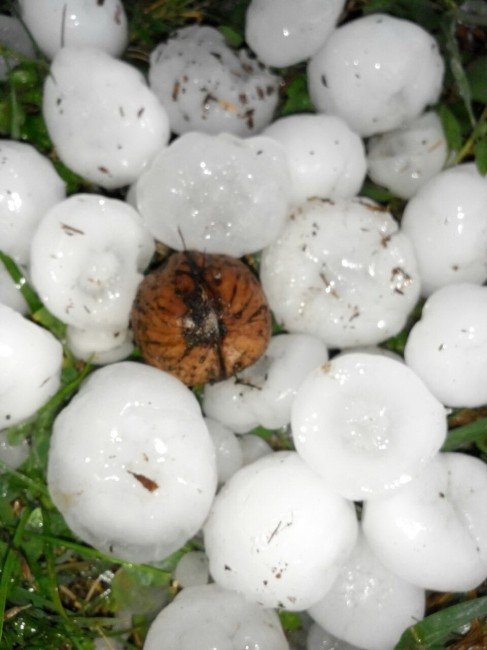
104	121
376	72
87	258
433	532
353	424
367	604
285	32
277	534
29	186
448	216
217	194
206	86
211	617
447	348
342	271
14	36
326	159
405	159
131	464
263	393
76	23
30	367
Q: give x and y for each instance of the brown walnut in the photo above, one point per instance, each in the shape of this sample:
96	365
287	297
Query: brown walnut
201	317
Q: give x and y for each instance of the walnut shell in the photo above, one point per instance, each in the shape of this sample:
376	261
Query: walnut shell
201	317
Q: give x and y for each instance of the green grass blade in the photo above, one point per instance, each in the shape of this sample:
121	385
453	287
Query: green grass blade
31	298
465	435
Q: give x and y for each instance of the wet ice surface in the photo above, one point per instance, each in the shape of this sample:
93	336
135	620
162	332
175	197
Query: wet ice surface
192	569
218	194
206	86
319	639
131	464
10	293
229	456
12	455
99	346
342	271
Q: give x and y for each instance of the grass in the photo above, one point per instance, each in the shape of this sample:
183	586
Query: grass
58	593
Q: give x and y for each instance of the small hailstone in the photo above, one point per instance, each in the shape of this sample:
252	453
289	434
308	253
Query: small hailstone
341	270
206	86
209	617
12	455
99	346
217	194
319	639
10	293
262	394
253	447
104	121
29	186
14	36
367	604
326	159
448	215
131	465
405	159
376	72
277	534
447	348
354	425
285	32
227	449
76	23
433	532
30	367
192	570
87	258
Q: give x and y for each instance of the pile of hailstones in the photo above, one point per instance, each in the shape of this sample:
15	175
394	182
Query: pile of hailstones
339	273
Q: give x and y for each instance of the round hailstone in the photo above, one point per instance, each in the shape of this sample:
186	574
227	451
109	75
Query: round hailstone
212	617
13	36
12	455
367	604
104	121
29	186
319	639
405	159
217	194
326	159
227	448
192	570
433	532
76	23
277	534
10	293
206	86
342	271
376	72
262	394
253	447
30	367
99	346
87	258
285	32
449	216
131	464
447	348
354	425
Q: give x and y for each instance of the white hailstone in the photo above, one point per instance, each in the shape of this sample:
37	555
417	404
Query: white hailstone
206	86
209	617
13	36
433	532
405	159
253	447
367	604
342	271
371	350
263	393
353	423
376	72
326	159
99	346
87	258
319	639
76	23
29	186
106	124
448	215
131	465
10	293
285	32
192	570
227	448
277	534
12	455
219	194
30	367
447	348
